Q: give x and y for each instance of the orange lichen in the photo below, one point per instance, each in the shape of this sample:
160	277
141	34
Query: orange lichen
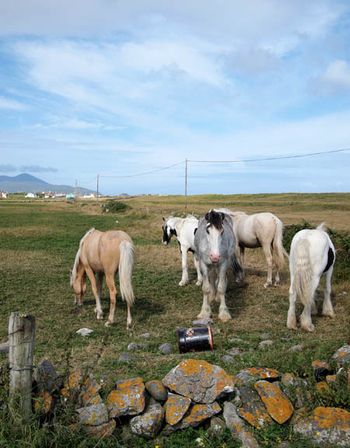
175	408
277	403
327	417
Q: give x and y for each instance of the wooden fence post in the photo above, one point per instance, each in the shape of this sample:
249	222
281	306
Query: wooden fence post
21	348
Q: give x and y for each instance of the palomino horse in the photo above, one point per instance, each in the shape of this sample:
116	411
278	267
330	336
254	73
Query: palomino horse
312	254
215	247
260	230
104	253
183	229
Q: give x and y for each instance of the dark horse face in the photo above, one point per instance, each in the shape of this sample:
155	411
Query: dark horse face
168	232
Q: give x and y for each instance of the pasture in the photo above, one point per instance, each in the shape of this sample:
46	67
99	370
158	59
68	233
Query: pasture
38	243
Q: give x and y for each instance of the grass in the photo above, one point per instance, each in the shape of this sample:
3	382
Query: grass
37	249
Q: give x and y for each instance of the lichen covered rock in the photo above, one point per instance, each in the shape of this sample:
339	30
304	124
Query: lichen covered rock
249	376
326	426
199	380
148	424
237	426
157	390
277	403
342	355
127	399
176	407
93	415
252	409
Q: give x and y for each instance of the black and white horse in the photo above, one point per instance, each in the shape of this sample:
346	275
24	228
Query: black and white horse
183	229
215	246
312	254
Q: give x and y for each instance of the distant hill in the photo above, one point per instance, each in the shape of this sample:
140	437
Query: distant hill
26	183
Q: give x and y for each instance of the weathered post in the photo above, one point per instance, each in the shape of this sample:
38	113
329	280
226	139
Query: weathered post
21	348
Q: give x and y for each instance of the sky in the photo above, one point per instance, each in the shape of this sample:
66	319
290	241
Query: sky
128	90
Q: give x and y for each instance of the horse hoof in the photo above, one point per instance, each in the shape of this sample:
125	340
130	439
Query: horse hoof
267	285
204	316
108	323
292	327
198	282
183	283
309	328
225	316
330	314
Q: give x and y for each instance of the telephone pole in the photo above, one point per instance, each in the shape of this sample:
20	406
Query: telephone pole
97	186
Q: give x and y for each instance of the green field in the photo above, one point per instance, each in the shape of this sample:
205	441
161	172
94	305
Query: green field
38	243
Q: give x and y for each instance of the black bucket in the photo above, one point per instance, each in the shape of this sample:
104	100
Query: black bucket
195	339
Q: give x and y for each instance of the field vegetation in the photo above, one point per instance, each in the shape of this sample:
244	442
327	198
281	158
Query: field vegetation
38	243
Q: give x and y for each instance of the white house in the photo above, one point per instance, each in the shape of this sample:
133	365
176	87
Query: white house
30	195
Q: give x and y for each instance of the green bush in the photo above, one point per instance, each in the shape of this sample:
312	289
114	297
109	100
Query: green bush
113	206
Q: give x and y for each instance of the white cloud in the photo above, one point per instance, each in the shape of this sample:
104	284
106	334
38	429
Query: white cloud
8	103
336	78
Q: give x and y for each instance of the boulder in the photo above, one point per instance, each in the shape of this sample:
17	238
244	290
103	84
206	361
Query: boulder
44	403
326	426
46	377
101	431
197	414
157	390
175	408
249	376
166	348
252	409
237	426
94	415
148	424
199	380
342	355
90	392
277	403
127	399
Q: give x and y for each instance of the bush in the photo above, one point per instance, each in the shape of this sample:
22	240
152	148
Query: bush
112	206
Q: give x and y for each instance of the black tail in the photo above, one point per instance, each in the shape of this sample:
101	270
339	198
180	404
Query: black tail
237	268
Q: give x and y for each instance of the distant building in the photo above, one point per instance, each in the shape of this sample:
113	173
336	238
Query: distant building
3	195
70	196
30	195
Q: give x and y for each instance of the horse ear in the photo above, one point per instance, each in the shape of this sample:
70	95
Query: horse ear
207	216
163	218
222	216
195	230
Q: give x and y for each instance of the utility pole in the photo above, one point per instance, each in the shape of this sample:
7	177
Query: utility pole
97	186
186	175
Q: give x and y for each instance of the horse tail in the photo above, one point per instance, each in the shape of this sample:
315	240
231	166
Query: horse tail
77	256
277	245
126	264
237	267
322	227
303	270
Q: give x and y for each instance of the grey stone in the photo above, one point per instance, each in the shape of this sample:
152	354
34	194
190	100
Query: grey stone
296	348
217	426
148	424
264	336
166	348
237	426
126	357
252	408
145	335
234	351
157	390
265	344
228	359
46	377
342	355
234	340
94	415
137	346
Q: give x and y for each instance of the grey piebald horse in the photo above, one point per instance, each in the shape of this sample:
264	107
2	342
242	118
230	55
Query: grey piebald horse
215	246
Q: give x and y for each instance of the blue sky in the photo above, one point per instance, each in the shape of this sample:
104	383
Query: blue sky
120	88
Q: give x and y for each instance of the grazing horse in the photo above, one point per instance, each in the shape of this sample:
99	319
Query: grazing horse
260	230
215	247
183	229
312	254
104	253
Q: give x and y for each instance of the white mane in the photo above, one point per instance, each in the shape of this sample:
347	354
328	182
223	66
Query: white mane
77	257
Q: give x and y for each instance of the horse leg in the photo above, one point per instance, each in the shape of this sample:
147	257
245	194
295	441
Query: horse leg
268	256
240	276
112	298
199	274
99	290
224	314
327	309
208	293
184	278
291	318
305	318
90	273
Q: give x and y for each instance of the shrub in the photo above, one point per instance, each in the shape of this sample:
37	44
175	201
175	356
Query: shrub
113	206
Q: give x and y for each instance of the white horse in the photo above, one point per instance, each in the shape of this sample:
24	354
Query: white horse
312	254
183	229
215	246
260	230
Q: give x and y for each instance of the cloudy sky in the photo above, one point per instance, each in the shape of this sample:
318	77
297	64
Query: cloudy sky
126	89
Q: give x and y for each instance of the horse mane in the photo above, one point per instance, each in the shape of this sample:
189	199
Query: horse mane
215	218
77	256
322	227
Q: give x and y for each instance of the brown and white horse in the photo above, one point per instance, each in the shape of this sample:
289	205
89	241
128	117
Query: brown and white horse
103	254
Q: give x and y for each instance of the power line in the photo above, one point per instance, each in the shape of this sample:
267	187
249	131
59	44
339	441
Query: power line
263	159
147	172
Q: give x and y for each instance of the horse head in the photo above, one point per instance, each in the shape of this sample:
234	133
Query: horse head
214	230
168	231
